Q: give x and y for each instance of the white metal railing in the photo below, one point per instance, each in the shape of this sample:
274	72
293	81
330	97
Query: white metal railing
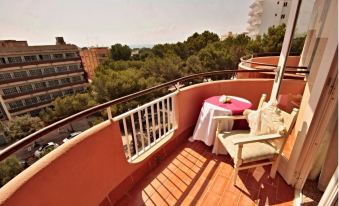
146	125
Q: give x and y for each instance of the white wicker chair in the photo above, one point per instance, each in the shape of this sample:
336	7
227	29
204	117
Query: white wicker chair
249	151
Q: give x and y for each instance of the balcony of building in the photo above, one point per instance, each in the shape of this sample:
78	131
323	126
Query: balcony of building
100	167
269	61
143	156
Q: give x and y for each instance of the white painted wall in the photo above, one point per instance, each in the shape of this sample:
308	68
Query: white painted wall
272	12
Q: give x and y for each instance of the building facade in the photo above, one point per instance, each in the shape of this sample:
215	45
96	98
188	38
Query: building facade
266	13
31	77
92	58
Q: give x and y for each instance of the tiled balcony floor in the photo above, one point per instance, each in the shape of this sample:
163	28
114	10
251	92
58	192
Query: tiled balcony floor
194	176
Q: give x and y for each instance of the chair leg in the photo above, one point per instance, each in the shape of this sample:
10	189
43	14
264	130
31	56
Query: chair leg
274	168
216	145
236	171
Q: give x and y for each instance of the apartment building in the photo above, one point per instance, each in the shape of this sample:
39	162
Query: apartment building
92	57
266	13
31	77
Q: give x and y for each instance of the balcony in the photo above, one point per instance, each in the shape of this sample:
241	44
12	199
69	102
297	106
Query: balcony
21	64
269	61
94	168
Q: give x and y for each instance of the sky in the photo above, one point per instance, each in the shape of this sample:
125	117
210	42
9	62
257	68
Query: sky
106	22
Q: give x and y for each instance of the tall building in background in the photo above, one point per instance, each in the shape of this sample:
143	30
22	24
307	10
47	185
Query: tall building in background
31	77
92	58
266	13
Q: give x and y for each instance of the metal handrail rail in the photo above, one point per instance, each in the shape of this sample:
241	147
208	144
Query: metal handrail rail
245	59
34	136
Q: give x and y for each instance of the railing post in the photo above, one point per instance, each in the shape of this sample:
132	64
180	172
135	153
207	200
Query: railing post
109	113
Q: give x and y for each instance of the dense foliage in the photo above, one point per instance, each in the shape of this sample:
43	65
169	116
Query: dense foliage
66	106
9	168
119	52
22	126
124	73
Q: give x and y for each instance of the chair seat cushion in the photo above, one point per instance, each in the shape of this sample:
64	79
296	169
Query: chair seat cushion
251	151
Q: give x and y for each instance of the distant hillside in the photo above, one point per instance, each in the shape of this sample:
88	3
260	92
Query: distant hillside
133	46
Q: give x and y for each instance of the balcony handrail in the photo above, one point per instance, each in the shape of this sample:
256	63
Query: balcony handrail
246	59
34	136
129	112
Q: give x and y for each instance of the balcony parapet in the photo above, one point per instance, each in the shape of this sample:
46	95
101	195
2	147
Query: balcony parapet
269	62
92	167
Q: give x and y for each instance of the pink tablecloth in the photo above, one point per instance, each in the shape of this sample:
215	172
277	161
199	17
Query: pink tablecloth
206	127
236	106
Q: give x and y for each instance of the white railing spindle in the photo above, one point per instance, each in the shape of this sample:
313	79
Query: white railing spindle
153	124
147	128
168	114
163	115
159	121
141	131
134	135
126	136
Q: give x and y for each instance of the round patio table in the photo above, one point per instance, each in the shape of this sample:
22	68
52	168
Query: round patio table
205	128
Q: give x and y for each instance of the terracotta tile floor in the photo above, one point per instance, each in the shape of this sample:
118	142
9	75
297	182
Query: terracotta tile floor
194	176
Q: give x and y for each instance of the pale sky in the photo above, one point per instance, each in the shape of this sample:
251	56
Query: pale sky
106	22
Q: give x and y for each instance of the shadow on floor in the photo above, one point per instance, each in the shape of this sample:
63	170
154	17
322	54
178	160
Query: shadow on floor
192	175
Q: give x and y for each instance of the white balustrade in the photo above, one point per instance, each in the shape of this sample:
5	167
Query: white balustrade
146	125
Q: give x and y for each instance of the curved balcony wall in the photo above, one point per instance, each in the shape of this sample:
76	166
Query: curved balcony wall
273	60
92	169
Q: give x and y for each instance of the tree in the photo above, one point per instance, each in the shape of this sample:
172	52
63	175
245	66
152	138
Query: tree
164	69
119	52
196	42
110	84
22	126
193	65
298	44
273	40
66	106
9	168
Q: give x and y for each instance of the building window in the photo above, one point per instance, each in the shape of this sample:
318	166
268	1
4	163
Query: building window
16	104
282	16
35	113
275	14
102	55
20	74
26	88
44	57
31	58
79	89
278	2
53	83
76	79
5	76
285	4
73	67
62	69
31	101
69	92
45	98
58	56
10	91
65	81
70	55
35	72
14	60
2	61
57	94
49	70
40	85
